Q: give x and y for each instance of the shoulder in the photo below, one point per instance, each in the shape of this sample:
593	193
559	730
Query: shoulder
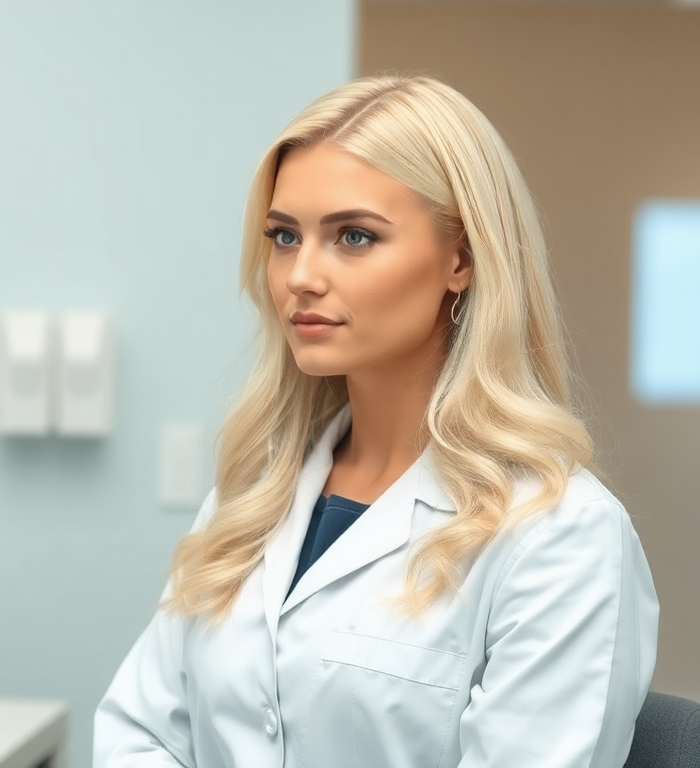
584	507
585	491
585	535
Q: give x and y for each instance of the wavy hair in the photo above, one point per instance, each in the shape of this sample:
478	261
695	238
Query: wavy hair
501	403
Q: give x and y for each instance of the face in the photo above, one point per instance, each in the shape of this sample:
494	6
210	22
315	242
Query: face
361	278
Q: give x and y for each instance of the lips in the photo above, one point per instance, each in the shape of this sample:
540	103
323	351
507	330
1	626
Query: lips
312	327
312	318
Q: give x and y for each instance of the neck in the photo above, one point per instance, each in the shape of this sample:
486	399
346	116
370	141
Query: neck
387	421
387	433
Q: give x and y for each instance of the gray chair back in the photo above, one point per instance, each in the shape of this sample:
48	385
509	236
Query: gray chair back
667	734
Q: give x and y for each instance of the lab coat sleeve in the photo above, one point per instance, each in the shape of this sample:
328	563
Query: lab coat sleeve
143	719
570	647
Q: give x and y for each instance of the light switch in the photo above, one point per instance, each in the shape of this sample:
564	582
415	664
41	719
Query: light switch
85	374
181	459
24	373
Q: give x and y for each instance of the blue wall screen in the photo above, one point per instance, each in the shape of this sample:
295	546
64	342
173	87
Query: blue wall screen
665	359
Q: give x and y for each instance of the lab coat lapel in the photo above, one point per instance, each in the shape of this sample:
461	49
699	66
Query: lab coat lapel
382	528
282	554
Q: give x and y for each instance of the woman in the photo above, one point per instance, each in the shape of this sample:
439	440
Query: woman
404	563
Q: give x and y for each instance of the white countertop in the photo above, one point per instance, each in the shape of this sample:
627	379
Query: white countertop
31	731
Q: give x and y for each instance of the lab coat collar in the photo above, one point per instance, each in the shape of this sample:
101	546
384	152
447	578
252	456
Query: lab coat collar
430	490
383	528
282	553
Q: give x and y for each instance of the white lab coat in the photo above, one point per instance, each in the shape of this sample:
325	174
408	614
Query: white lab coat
543	661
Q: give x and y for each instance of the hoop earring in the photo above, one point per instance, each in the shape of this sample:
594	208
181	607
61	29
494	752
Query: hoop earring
454	312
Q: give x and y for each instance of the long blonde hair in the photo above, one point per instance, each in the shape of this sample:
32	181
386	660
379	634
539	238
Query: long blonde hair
501	402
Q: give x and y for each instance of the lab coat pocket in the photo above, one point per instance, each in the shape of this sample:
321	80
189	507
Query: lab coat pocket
382	702
397	659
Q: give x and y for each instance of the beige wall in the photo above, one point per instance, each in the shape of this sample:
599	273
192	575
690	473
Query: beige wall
601	105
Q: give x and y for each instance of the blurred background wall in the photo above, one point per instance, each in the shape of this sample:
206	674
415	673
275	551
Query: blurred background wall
128	133
599	101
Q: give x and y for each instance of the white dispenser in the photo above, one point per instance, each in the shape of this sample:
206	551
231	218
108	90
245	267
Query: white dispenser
85	374
24	373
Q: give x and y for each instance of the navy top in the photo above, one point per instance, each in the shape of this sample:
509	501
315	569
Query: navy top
331	517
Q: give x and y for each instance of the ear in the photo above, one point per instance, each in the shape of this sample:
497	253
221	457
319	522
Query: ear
462	268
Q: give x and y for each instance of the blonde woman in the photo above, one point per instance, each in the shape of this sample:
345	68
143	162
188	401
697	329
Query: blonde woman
405	563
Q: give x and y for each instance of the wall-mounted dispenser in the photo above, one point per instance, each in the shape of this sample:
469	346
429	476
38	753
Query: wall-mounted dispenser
24	373
85	363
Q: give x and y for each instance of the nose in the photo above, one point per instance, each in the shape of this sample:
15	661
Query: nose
307	273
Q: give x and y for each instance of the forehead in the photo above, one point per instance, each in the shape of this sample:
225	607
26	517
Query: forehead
330	178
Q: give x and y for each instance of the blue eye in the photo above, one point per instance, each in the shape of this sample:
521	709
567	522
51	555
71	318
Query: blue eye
282	238
285	238
358	238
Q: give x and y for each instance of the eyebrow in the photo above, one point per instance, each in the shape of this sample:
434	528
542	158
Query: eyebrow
331	218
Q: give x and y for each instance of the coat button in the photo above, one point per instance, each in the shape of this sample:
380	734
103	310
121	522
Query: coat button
270	721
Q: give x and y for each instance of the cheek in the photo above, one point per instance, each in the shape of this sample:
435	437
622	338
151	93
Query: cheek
400	304
276	285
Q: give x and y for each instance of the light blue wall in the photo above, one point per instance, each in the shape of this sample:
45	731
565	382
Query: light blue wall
128	133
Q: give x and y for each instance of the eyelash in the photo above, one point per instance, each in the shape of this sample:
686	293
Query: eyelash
370	236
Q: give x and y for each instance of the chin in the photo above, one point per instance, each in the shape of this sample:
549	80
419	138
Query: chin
318	367
319	370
